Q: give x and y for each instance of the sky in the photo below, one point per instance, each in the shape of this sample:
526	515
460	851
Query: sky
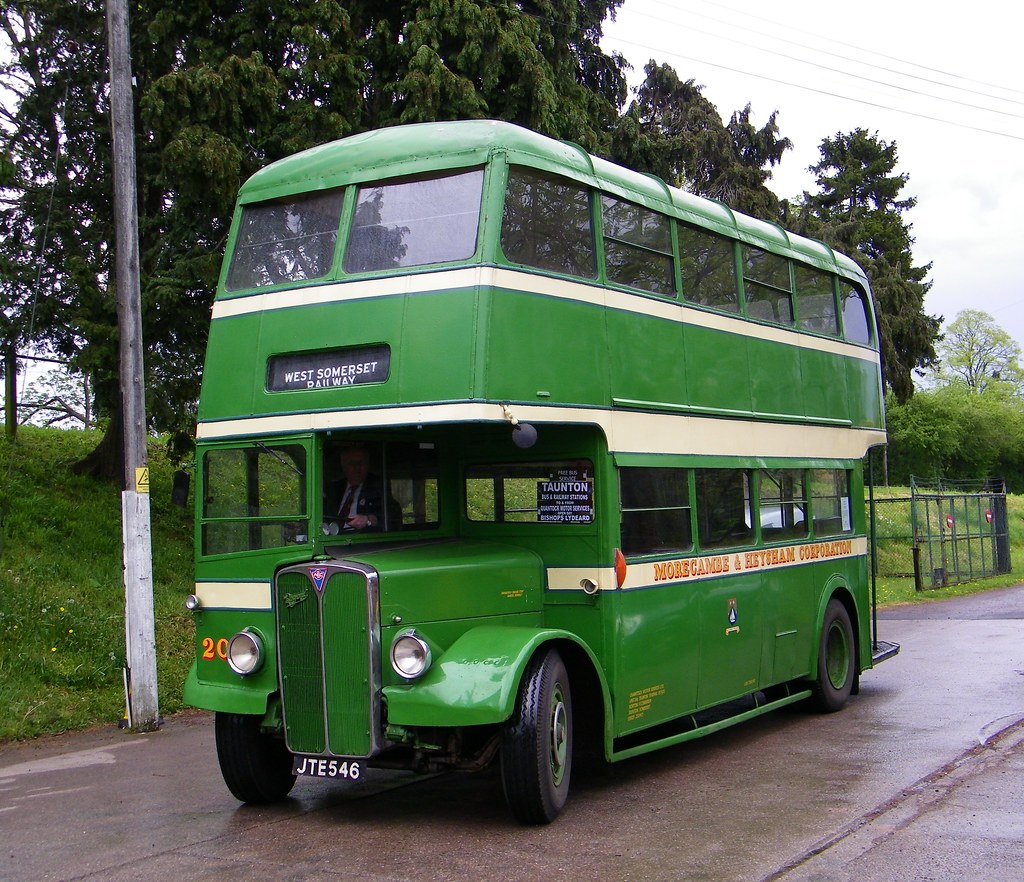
944	82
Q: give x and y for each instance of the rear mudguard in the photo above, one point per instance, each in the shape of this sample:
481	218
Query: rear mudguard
477	679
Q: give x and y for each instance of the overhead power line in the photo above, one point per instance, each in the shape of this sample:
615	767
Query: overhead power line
959	123
806	88
746	14
761	47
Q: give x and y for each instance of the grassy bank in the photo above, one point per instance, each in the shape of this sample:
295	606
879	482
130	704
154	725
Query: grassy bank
62	639
61	589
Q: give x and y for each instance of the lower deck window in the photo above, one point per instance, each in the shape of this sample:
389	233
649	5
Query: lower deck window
655	511
536	492
782	504
724	516
830	499
254	497
728	507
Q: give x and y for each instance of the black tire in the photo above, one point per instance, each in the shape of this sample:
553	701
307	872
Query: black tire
536	743
837	659
256	767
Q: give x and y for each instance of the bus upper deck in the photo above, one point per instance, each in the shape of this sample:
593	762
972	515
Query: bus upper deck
458	267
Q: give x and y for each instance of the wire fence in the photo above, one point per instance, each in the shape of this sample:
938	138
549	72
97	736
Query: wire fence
944	534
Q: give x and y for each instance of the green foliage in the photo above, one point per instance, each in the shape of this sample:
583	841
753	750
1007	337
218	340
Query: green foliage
62	642
979	356
858	210
673	131
954	434
223	88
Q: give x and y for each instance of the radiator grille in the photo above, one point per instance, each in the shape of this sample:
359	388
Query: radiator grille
325	645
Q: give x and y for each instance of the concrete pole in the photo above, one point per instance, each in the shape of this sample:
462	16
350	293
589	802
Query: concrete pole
140	629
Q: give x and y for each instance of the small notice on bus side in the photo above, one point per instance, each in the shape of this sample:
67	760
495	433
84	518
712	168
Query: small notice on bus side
566	498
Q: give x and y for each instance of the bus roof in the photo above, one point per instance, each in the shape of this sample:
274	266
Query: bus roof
424	148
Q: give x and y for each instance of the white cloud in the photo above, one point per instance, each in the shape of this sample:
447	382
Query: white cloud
950	94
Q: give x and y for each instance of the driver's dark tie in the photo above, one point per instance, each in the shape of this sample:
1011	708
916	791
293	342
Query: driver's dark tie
345	509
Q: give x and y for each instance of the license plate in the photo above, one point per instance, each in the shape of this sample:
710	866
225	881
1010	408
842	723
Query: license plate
326	767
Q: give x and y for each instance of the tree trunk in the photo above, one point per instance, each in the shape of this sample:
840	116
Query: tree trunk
106	461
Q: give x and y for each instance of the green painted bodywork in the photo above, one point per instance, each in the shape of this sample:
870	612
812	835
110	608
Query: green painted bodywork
211	683
478	593
499	343
498	347
475	681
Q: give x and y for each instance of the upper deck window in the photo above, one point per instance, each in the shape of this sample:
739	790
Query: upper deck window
412	223
708	264
637	247
547	224
768	287
856	326
285	240
816	301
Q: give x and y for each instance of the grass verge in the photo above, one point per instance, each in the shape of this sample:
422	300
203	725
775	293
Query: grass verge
62	591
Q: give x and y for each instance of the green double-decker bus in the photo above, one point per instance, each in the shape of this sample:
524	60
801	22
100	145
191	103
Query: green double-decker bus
507	453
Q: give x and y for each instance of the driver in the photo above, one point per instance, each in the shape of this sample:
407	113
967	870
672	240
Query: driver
355	501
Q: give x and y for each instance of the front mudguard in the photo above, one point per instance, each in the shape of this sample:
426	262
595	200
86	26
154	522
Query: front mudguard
226	697
476	681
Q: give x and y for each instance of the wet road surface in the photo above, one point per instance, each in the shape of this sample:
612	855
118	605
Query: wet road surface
919	778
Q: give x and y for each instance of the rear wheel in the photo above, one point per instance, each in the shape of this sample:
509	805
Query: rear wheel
536	745
836	659
256	766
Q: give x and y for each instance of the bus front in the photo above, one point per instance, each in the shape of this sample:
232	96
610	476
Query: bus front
372	546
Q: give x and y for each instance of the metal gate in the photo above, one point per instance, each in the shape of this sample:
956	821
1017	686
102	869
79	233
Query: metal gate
959	535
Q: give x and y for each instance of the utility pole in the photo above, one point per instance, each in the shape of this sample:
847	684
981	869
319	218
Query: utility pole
140	627
10	391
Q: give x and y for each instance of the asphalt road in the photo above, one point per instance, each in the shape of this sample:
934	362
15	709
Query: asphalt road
919	778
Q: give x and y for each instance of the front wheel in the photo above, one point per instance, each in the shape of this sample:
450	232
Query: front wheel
837	658
536	743
256	766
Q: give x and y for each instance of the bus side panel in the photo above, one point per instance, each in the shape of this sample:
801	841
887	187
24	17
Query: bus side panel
645	360
733	631
436	359
789	601
230	354
865	397
541	348
825	385
657	646
716	369
775	386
